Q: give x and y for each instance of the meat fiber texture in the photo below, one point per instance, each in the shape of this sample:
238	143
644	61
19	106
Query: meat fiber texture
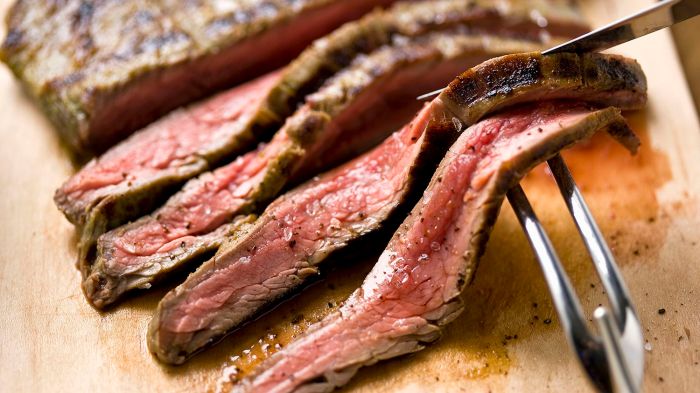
102	69
294	236
350	104
222	293
136	175
414	288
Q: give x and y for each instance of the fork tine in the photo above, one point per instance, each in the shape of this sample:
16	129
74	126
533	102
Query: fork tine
603	259
615	354
629	337
588	347
563	295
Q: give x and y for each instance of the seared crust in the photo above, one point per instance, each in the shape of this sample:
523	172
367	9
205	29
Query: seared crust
335	51
527	76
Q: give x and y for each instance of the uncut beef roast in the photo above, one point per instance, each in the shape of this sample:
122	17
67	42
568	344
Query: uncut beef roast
292	237
101	69
349	110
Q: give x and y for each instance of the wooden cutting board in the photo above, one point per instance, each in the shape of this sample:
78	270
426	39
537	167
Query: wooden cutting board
508	338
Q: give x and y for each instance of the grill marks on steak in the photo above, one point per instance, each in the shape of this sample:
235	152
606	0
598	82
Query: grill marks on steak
414	288
410	19
130	179
293	237
349	102
103	69
530	76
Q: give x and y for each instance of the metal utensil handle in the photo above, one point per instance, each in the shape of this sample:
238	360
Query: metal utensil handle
664	14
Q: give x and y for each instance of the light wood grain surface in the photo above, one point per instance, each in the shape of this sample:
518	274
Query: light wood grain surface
508	339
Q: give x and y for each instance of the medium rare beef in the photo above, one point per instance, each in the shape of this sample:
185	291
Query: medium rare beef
135	176
414	288
210	200
352	102
101	69
223	292
294	236
132	177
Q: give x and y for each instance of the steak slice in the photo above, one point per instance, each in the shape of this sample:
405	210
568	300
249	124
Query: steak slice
414	288
133	177
101	69
294	235
351	102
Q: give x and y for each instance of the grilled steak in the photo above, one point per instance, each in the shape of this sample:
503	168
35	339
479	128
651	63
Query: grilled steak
414	288
101	69
130	179
188	318
295	234
352	101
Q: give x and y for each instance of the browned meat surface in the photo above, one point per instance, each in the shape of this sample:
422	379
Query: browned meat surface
295	234
350	105
101	69
414	288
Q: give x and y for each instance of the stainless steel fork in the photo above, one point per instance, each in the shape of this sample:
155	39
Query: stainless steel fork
613	359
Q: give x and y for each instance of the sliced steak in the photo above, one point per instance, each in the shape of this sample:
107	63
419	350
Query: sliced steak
131	178
294	235
242	278
253	179
136	175
101	69
351	102
414	288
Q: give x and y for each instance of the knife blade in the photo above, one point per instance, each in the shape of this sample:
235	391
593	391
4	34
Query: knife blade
661	15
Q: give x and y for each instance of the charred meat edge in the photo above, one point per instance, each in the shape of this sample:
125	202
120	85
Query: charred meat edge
414	289
296	151
626	96
104	96
391	174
